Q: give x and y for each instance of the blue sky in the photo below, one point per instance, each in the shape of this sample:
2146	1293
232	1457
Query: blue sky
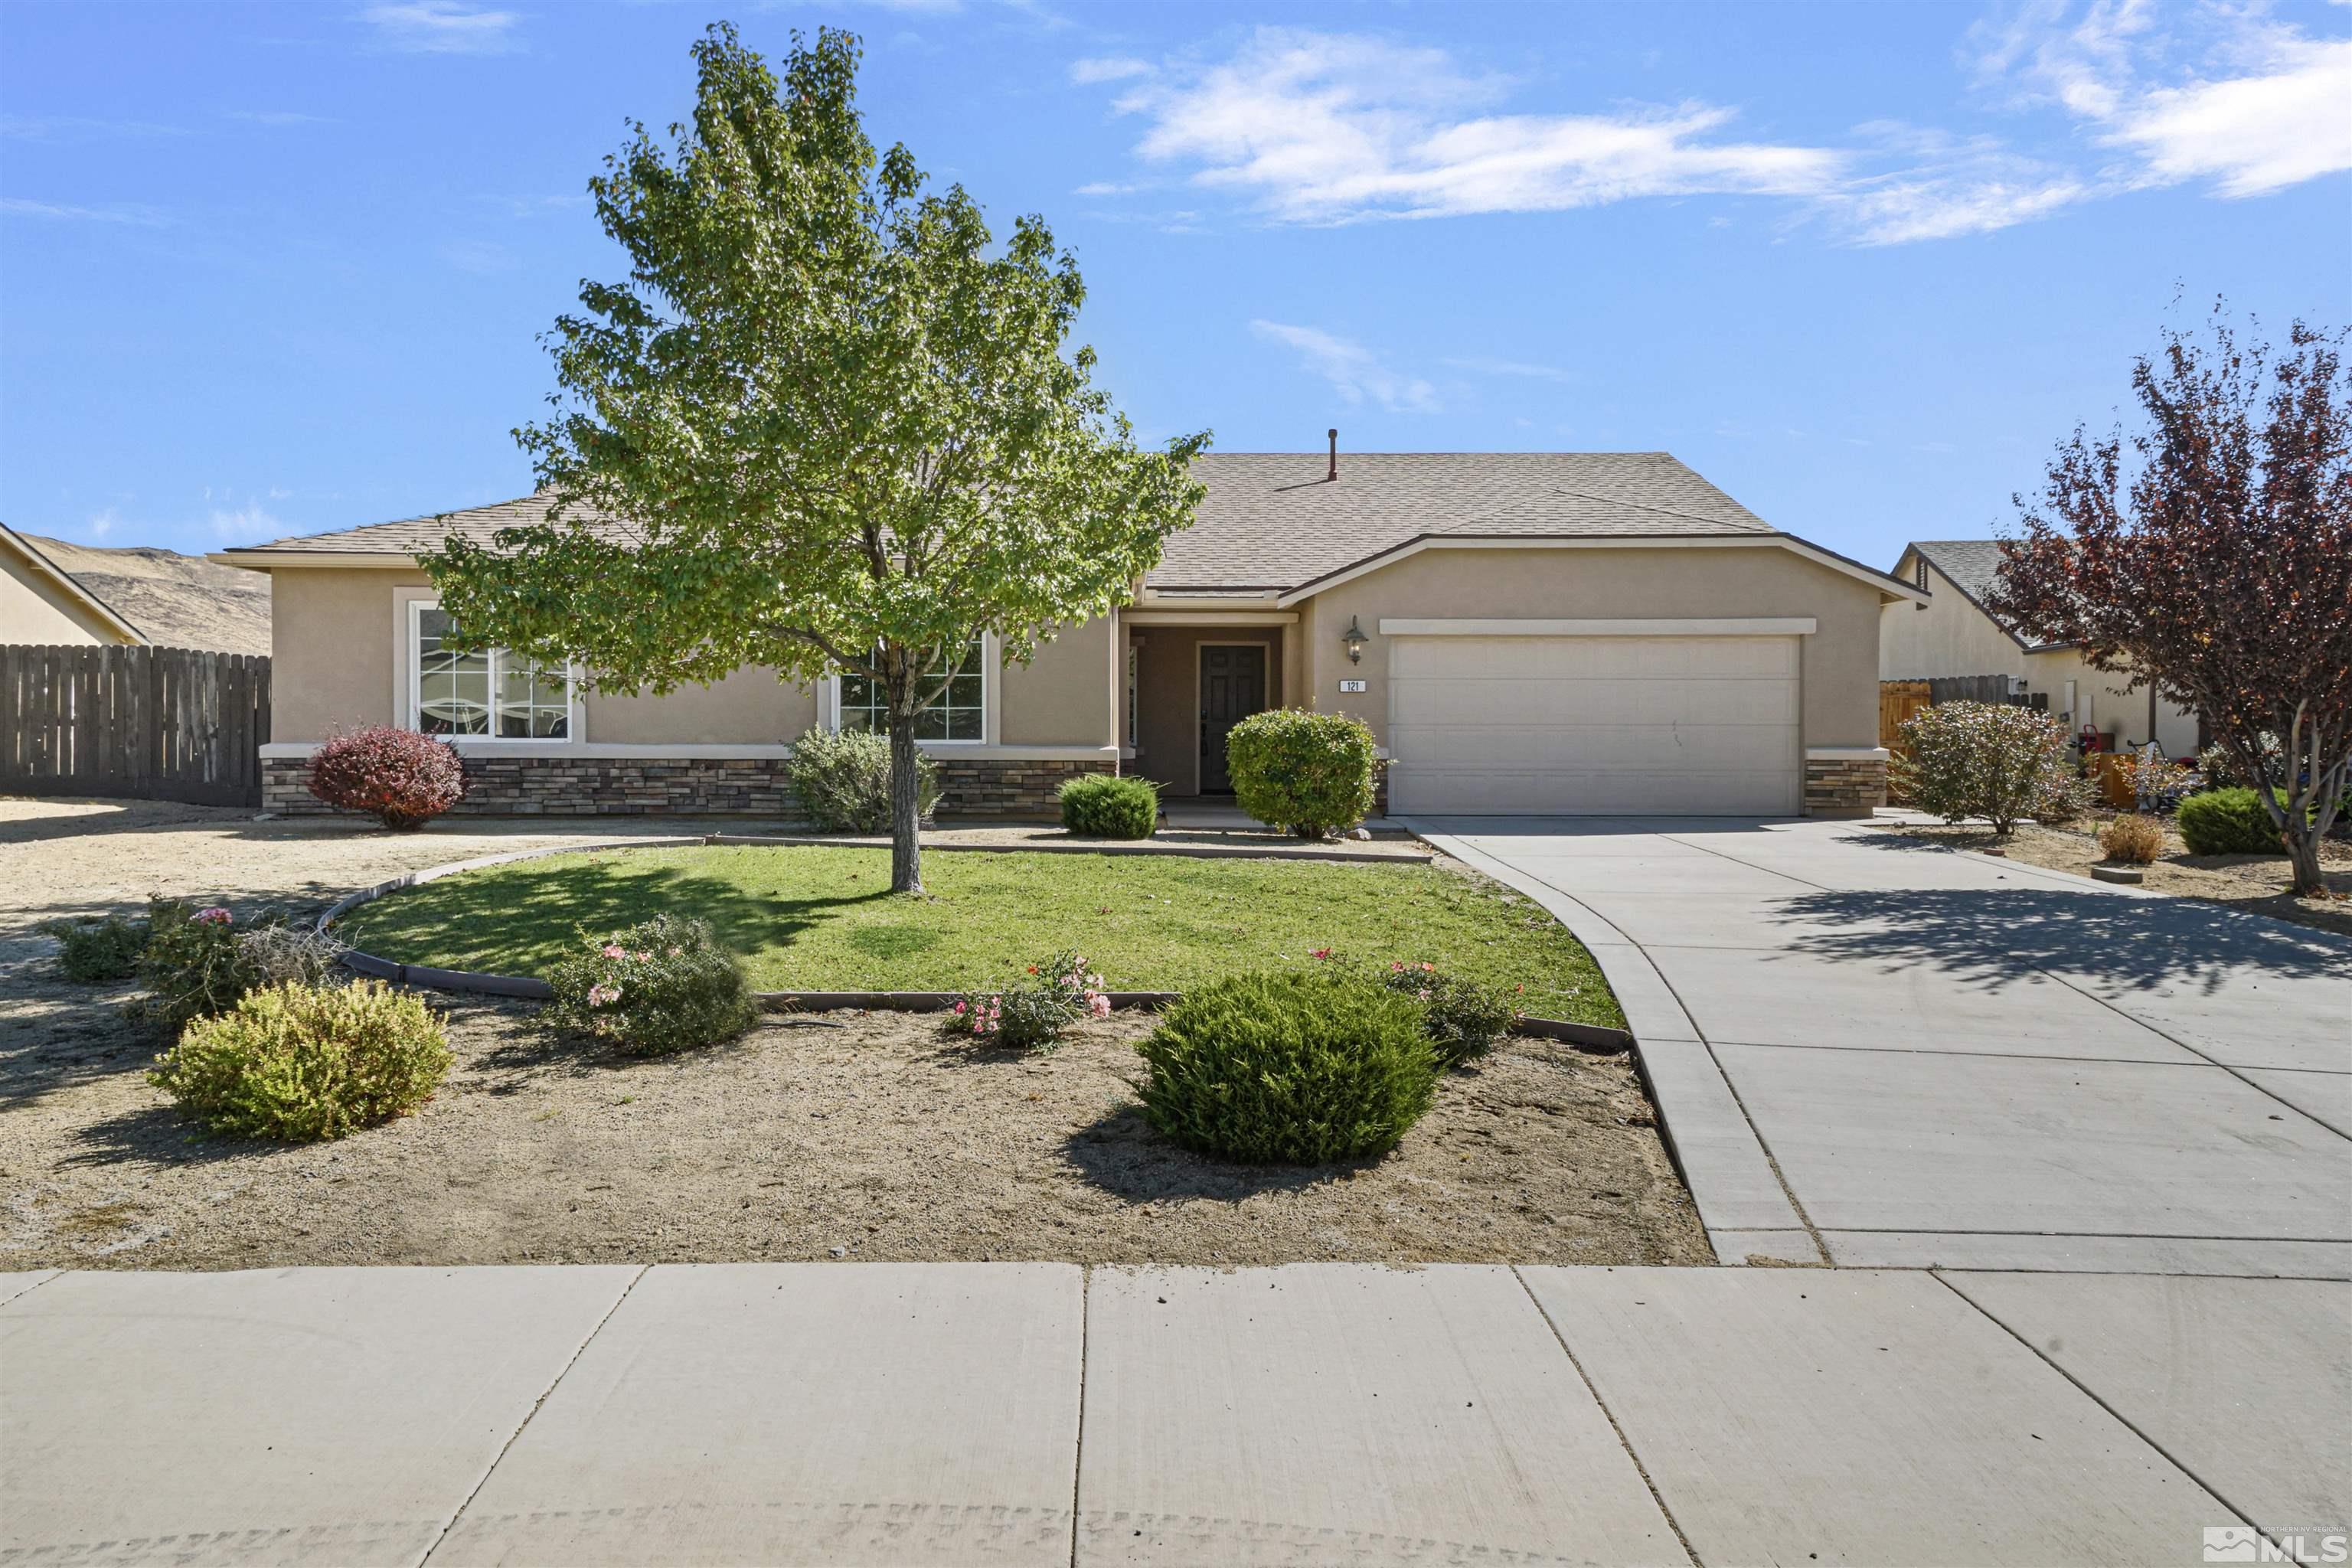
277	270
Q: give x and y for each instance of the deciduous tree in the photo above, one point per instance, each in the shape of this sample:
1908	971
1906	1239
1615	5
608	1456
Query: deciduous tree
826	423
2210	552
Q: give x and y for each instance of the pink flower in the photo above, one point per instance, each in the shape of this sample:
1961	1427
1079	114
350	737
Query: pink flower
959	1009
1320	953
601	996
1397	968
1429	968
216	916
614	950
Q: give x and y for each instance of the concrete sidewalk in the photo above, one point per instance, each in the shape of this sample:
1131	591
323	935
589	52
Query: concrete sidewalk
918	1413
1887	1053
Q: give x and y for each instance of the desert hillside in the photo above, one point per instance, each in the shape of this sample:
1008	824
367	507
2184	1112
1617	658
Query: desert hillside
179	601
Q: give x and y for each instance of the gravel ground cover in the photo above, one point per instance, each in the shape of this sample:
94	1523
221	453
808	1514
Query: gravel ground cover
851	1135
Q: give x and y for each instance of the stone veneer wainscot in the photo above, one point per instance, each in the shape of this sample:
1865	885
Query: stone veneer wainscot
1845	786
689	786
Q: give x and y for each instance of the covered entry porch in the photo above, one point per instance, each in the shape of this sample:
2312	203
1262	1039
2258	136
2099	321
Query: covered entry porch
1191	676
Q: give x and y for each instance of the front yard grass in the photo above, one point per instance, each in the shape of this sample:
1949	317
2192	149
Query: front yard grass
819	917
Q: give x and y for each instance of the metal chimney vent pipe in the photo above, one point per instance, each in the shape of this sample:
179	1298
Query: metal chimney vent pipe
1335	458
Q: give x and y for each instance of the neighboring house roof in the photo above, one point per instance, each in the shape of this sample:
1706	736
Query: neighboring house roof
179	601
1973	566
1272	522
26	558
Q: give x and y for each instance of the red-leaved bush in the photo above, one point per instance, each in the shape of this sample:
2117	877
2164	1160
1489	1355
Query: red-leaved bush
399	777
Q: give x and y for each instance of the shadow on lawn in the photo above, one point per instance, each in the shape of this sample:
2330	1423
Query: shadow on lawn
526	918
1122	1154
1995	936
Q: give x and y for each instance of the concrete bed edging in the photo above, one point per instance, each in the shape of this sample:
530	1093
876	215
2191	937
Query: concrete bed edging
1584	1037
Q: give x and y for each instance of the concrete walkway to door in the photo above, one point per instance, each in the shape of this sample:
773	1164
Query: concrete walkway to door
1889	1054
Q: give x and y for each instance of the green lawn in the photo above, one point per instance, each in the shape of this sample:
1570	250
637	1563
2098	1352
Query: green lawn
818	919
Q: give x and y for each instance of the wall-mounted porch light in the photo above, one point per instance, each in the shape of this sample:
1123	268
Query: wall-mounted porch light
1354	637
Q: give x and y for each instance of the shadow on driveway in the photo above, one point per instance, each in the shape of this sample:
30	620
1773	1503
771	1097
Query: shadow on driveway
1999	934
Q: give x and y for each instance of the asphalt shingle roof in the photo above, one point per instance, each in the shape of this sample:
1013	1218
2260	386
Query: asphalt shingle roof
1272	521
1972	565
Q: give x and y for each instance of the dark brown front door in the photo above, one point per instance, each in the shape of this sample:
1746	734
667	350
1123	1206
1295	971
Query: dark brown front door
1233	687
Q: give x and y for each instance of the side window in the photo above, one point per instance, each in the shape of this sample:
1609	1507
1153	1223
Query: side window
489	692
958	712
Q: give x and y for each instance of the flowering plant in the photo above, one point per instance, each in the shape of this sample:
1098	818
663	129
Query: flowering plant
1032	1016
665	985
1462	1018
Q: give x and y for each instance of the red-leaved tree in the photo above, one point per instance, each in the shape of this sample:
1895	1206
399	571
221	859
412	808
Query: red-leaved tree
2211	552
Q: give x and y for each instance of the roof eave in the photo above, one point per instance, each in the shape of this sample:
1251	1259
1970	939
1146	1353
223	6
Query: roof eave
106	613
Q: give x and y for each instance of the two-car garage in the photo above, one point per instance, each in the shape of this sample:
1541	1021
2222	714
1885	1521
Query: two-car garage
1582	717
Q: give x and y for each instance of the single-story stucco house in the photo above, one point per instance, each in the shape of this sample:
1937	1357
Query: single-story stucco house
1525	632
1950	633
41	603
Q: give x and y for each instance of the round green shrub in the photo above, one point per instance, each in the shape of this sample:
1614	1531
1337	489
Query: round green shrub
1289	1067
1310	773
300	1063
841	779
91	951
1102	806
664	986
2229	822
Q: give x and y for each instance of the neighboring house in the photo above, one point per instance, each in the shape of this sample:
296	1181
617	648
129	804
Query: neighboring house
179	601
1574	632
1952	634
40	602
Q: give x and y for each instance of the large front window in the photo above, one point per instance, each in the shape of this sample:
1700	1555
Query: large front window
959	711
487	692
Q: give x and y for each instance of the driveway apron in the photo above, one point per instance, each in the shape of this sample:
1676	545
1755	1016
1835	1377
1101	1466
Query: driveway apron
1944	1058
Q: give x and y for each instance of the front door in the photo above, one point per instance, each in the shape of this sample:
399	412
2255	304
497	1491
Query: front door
1233	687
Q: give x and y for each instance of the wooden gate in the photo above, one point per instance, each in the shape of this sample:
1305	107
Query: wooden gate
1898	700
150	723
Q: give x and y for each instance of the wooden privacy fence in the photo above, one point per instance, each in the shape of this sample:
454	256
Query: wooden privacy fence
152	724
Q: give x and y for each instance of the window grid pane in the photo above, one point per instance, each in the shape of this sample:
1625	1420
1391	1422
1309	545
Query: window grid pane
959	712
487	692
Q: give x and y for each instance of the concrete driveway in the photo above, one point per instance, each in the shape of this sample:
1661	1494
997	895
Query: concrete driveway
1889	1054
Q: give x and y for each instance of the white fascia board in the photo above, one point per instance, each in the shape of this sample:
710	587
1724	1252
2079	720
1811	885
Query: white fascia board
1887	586
1847	754
1208	617
265	560
1698	626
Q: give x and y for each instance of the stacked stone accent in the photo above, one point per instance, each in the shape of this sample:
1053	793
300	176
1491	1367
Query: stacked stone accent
1845	786
688	787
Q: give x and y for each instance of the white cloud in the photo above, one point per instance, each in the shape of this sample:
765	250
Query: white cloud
1321	128
1353	370
443	28
1104	188
2214	91
245	522
136	214
2251	134
1086	73
1947	185
1511	367
101	523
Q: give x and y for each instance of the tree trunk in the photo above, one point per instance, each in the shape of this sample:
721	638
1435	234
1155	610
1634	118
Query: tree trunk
906	842
2302	854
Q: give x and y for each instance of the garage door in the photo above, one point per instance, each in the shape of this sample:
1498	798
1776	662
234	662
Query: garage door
1585	725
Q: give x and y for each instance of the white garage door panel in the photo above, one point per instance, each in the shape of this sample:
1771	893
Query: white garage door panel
1604	725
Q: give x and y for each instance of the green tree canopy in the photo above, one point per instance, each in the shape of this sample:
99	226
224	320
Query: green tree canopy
826	423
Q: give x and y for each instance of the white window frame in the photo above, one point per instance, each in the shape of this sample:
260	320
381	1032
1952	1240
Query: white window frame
988	665
415	718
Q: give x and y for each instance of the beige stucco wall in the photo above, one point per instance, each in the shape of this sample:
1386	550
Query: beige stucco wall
1951	637
34	609
339	638
1946	636
332	636
1065	695
1839	661
1167	696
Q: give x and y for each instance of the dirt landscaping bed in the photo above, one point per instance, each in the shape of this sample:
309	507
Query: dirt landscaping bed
2254	883
854	1136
